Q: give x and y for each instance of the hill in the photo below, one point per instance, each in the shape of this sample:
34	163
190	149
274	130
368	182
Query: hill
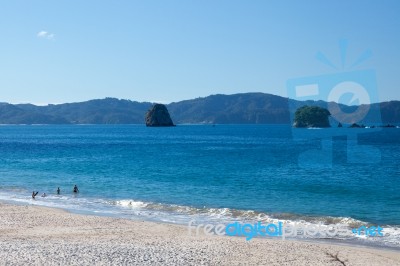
105	111
243	108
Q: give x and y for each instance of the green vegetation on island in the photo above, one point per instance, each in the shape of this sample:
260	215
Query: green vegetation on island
311	116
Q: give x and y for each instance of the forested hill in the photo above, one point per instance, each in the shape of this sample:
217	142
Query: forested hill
243	108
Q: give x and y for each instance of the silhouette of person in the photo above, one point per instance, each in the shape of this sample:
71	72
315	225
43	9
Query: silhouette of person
58	191
34	194
76	190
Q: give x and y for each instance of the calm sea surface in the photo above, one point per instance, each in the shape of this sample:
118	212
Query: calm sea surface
213	173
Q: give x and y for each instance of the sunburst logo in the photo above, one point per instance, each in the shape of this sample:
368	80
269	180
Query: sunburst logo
347	94
359	95
343	46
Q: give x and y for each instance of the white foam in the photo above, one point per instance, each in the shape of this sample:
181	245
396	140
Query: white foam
131	203
172	213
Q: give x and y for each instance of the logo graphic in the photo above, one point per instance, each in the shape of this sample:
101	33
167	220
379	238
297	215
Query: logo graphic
347	95
282	230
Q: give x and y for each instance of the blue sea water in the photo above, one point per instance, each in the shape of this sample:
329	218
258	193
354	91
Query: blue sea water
213	173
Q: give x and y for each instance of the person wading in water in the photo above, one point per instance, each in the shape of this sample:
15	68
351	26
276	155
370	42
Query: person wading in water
34	194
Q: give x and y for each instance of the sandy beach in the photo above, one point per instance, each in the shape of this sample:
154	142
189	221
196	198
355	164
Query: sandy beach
31	234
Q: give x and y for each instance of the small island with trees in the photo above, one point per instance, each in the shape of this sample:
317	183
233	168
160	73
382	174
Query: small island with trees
311	116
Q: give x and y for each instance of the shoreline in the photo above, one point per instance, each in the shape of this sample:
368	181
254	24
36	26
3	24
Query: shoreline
329	241
50	235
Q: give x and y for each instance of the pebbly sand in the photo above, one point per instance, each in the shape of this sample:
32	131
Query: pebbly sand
37	235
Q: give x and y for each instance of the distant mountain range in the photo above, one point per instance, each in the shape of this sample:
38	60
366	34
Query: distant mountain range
243	108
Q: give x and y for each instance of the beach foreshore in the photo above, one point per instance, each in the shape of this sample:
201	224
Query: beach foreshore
32	234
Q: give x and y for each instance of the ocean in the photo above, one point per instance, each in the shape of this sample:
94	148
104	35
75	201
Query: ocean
210	173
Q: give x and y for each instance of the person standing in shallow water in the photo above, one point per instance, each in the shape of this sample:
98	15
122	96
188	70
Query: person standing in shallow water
34	194
58	191
76	190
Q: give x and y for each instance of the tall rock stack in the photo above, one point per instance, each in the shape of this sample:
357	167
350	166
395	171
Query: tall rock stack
158	116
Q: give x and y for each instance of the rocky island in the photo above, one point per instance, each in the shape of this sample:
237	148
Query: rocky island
158	116
311	116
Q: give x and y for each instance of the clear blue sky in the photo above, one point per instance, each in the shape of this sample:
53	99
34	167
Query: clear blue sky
64	51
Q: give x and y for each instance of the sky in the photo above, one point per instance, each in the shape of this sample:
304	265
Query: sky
166	51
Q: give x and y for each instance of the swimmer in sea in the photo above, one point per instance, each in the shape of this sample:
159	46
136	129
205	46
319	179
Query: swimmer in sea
58	191
34	194
76	190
